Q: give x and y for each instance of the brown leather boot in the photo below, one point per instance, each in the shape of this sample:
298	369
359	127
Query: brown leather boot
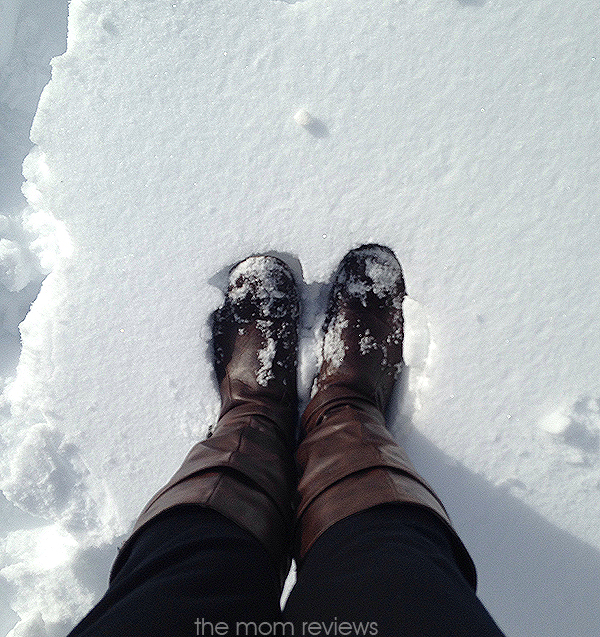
245	468
348	461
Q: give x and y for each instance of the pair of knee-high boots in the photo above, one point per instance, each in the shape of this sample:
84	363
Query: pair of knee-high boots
286	485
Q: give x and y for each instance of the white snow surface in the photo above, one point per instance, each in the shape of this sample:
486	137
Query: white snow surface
463	134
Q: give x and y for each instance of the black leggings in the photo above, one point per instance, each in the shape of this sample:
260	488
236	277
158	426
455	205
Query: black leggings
387	571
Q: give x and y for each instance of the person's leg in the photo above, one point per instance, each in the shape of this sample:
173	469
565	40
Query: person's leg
349	463
244	473
245	468
387	571
190	572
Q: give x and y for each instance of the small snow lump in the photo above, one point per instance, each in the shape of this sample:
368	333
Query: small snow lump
303	117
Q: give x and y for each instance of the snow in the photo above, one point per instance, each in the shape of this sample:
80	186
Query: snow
333	345
168	147
266	356
303	117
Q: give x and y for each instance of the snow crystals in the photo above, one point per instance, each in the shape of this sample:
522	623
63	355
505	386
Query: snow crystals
266	355
334	348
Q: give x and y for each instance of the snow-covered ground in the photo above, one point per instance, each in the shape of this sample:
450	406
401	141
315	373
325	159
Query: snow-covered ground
169	145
